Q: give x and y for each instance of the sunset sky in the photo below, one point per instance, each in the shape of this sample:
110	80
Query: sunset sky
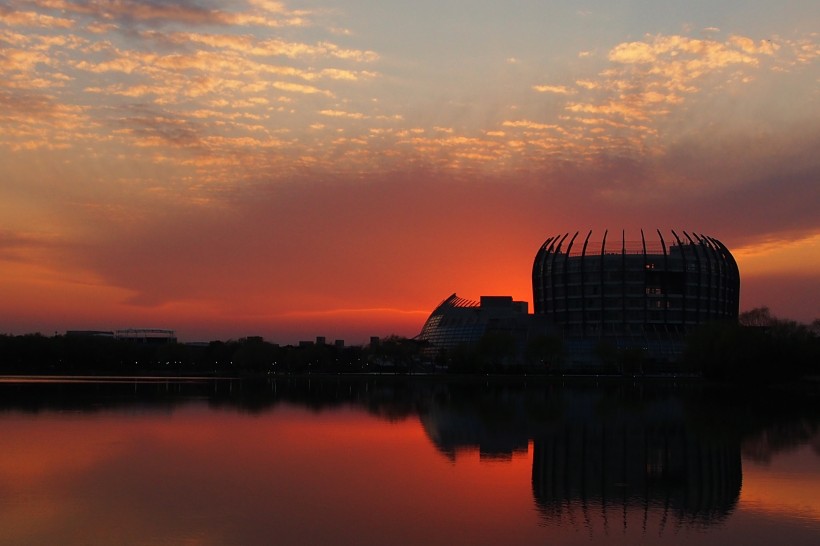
325	167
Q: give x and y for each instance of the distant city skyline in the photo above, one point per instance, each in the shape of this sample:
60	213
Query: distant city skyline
316	167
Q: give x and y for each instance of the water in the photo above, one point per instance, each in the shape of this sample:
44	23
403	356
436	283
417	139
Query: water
386	461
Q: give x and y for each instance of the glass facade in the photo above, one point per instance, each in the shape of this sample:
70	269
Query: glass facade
458	321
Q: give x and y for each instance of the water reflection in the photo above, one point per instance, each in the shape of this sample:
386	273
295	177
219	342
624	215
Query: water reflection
599	453
649	463
619	459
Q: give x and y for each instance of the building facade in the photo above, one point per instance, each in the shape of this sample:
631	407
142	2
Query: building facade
457	321
147	336
620	287
646	293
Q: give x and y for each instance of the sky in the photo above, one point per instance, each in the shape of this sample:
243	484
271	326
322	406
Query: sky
318	167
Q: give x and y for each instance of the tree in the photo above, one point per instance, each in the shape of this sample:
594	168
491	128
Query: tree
759	348
545	351
497	348
757	317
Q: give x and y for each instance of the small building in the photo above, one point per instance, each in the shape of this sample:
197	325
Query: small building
457	322
148	336
90	333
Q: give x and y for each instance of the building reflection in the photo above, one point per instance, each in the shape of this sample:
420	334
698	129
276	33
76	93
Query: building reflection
604	472
604	459
605	456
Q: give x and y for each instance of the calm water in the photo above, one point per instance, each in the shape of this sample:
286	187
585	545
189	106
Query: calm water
382	461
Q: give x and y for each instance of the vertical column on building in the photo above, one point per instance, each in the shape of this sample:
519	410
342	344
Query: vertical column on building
553	275
732	280
707	252
538	279
601	299
584	286
664	282
645	286
698	283
566	281
723	276
623	283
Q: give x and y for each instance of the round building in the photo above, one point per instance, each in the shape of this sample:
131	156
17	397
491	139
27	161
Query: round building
656	286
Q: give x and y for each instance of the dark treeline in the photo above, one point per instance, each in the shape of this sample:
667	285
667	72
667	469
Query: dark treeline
758	348
86	354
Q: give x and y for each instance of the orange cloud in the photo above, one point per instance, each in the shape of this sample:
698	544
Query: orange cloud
33	19
556	89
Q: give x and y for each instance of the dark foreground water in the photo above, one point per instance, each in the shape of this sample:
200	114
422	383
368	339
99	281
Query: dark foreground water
383	461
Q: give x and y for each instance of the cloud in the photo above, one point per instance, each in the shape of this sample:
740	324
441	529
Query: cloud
624	110
300	88
33	19
163	130
191	12
32	120
692	56
557	89
649	84
18	245
270	47
527	124
184	12
150	258
342	114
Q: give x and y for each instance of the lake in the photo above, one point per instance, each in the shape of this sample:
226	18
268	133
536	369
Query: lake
387	460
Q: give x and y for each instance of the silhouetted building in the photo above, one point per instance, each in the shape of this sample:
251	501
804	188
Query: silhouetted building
605	297
458	321
646	294
90	333
150	336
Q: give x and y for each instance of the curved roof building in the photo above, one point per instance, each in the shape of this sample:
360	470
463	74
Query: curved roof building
619	287
606	299
458	321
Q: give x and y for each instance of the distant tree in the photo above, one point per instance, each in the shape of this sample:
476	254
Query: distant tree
759	348
632	360
545	351
757	317
624	360
465	358
607	354
253	355
497	349
397	352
